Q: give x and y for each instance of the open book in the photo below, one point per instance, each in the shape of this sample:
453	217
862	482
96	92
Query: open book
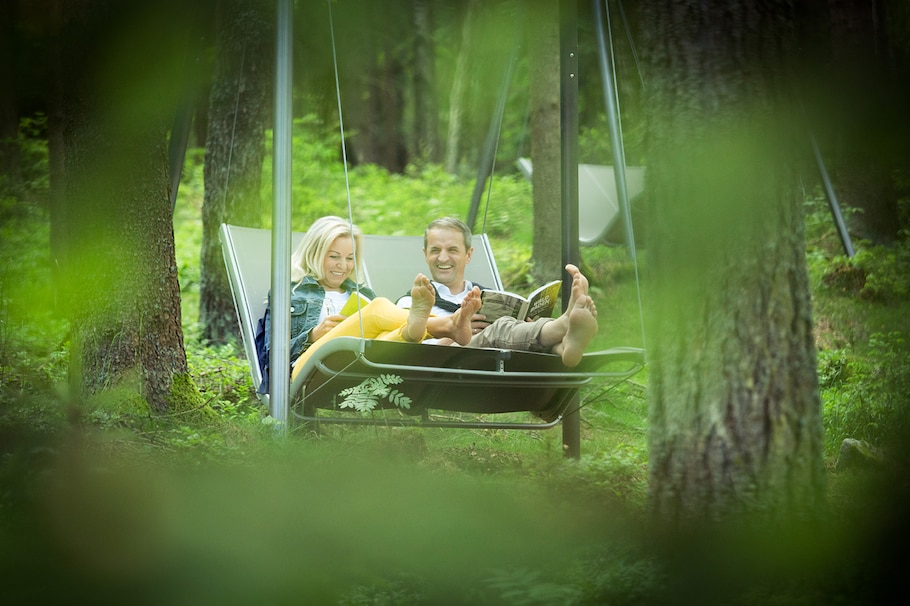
538	304
350	308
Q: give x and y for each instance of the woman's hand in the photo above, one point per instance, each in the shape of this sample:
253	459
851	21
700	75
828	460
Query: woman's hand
321	329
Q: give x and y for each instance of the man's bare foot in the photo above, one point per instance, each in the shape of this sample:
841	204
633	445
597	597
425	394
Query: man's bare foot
554	332
422	299
582	328
579	280
461	319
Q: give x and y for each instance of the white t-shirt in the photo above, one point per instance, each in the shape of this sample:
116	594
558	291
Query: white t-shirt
333	303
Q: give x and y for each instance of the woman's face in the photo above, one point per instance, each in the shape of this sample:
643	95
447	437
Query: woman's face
338	264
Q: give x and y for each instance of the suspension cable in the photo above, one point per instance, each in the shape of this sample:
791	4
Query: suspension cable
227	174
611	98
344	160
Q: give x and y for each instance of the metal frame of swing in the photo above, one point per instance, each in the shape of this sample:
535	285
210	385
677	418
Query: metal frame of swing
280	250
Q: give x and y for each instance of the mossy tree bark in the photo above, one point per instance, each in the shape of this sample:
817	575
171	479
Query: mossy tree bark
235	148
121	283
426	113
458	93
735	421
543	62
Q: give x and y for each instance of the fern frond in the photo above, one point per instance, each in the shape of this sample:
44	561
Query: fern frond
399	399
365	396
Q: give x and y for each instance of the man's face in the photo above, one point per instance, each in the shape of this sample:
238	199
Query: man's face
447	256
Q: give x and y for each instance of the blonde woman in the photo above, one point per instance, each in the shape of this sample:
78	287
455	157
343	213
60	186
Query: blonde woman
325	270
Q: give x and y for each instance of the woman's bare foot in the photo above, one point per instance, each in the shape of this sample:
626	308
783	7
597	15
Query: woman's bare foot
422	299
582	328
461	319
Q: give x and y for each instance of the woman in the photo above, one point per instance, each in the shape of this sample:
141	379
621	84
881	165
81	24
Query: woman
324	270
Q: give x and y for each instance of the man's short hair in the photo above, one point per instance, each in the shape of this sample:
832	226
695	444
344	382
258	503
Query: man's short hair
449	223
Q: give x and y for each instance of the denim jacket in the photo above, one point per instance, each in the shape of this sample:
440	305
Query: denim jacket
307	298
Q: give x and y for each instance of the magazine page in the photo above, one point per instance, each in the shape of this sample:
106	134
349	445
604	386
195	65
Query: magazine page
350	308
495	304
543	300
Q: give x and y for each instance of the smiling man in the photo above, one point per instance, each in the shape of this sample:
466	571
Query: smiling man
447	249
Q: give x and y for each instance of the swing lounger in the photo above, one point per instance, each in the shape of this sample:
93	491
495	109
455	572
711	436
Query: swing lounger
458	379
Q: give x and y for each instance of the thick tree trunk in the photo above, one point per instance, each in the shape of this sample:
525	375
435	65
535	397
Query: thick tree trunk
734	410
234	150
458	94
868	116
543	62
426	133
10	162
382	139
122	295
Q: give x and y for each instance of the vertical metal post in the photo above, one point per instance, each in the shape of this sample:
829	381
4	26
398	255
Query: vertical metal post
568	118
279	379
608	77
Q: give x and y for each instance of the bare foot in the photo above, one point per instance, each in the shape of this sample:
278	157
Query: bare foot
461	319
579	280
422	299
553	332
582	328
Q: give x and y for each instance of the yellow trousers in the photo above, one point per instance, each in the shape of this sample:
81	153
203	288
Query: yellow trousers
382	319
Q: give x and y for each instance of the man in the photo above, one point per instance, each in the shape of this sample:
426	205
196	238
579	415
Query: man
447	248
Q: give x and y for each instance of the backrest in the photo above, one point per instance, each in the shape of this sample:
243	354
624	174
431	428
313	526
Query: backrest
598	200
248	260
393	261
390	264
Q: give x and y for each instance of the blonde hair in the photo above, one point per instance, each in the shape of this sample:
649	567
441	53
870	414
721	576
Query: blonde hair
309	255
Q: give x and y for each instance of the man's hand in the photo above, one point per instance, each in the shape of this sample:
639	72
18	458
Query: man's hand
478	323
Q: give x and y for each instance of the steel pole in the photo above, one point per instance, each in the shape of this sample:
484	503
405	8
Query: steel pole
279	381
568	117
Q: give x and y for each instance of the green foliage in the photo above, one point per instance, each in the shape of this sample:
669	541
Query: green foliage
366	396
862	317
34	180
617	476
529	587
865	394
886	271
386	203
617	574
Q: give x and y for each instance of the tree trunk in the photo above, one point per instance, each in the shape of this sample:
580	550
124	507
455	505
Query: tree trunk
123	294
867	118
234	150
458	95
382	139
735	421
543	62
10	162
426	134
